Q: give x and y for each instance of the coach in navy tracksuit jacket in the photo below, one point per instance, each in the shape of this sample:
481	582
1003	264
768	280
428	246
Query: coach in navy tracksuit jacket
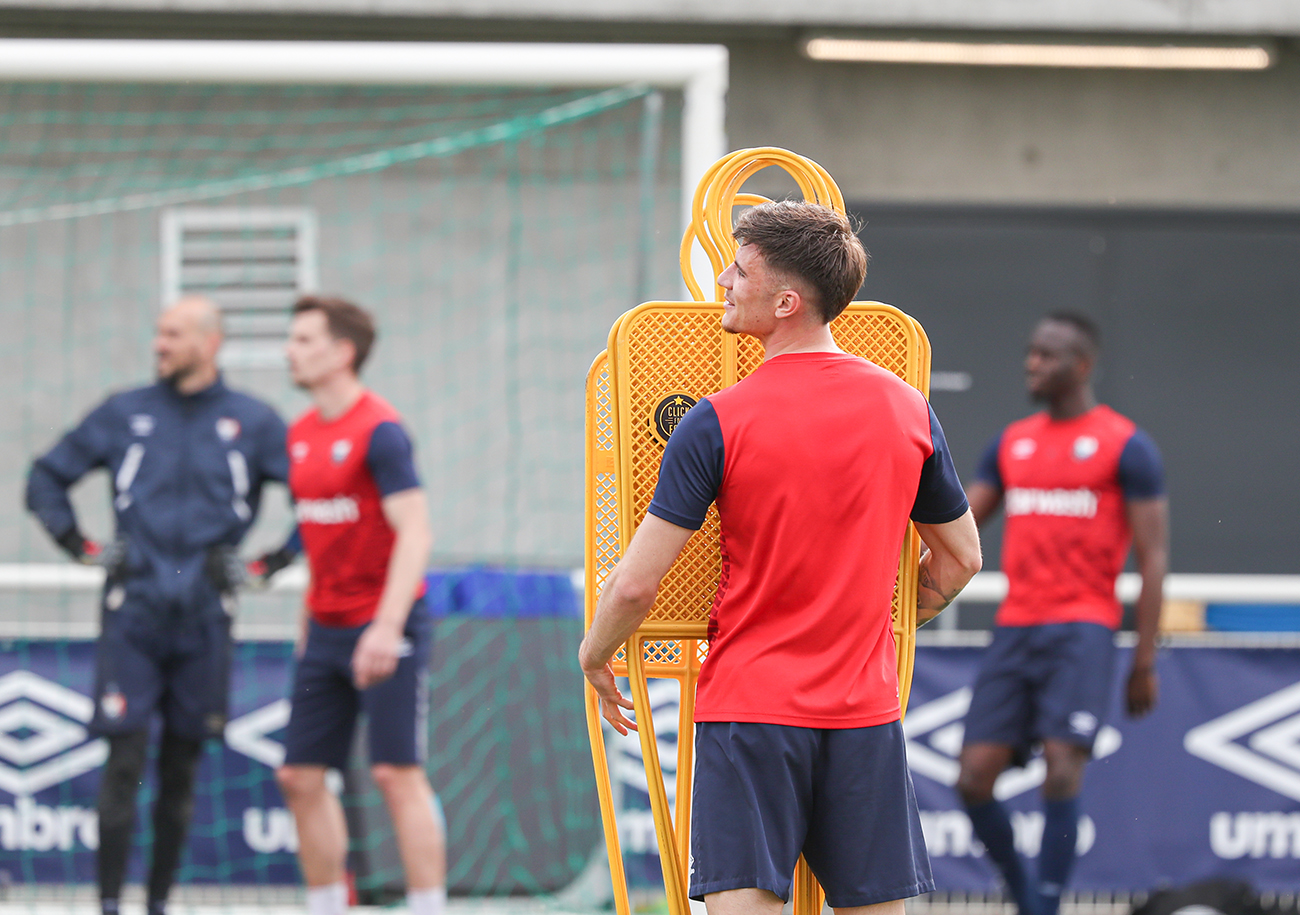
187	457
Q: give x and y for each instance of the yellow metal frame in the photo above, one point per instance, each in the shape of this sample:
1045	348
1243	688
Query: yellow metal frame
662	349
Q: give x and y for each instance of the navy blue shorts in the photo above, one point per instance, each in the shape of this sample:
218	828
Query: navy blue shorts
1036	682
325	702
150	659
764	793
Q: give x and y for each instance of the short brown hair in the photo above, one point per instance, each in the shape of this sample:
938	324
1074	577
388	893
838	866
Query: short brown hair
810	242
346	321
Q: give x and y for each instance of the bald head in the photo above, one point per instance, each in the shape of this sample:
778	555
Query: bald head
186	344
200	312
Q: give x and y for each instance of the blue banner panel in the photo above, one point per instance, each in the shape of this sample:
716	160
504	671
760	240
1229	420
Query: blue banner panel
50	769
1207	784
508	754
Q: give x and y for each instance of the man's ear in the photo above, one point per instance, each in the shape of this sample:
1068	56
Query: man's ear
790	304
211	346
348	349
1084	365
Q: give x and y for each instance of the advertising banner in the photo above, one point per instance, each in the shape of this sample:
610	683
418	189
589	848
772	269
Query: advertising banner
1208	784
49	771
509	759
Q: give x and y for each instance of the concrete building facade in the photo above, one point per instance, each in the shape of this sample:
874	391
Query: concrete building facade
1143	180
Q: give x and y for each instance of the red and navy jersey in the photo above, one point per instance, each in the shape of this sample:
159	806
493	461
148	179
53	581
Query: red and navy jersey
816	461
1066	484
340	470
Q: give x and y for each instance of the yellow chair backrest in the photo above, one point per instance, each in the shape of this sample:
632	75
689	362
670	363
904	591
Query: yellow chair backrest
662	358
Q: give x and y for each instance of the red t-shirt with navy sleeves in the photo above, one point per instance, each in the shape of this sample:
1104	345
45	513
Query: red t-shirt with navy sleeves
1065	485
340	470
816	461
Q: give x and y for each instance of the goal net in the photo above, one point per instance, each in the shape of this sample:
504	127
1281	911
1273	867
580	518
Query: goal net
495	231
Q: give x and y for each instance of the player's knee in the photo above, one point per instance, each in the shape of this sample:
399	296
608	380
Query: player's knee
1065	764
126	760
975	784
981	764
750	900
121	778
178	762
1063	783
300	782
175	805
394	779
972	791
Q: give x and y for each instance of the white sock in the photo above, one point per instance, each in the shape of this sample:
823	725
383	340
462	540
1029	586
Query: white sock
331	899
432	901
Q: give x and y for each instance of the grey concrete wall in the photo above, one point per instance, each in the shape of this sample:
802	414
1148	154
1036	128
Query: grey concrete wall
895	133
938	134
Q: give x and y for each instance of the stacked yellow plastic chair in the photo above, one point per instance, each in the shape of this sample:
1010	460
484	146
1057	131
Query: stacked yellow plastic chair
662	358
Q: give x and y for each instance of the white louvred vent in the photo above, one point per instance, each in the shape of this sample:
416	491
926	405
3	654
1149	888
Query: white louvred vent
252	262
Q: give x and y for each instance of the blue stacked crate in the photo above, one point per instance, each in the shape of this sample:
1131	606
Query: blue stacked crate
1253	617
494	592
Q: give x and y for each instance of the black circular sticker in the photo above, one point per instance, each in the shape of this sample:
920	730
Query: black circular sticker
668	414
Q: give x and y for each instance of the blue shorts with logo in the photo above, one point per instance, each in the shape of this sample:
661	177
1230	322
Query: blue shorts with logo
764	793
325	702
161	657
1036	682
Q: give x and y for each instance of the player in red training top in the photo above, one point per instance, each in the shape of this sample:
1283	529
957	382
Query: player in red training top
366	632
1078	482
816	461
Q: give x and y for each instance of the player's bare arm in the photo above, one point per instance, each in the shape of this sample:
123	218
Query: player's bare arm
300	640
951	560
984	499
376	655
1149	521
625	600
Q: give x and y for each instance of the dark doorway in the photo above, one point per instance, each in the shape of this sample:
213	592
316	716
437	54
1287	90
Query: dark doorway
1200	318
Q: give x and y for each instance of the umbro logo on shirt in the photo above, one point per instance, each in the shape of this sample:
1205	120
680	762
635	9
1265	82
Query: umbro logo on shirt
141	424
1083	723
340	450
299	452
1023	448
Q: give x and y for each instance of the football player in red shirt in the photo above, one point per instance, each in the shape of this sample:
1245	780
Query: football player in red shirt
816	461
1078	482
366	632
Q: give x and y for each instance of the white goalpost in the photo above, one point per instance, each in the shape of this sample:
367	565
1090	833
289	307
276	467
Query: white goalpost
699	72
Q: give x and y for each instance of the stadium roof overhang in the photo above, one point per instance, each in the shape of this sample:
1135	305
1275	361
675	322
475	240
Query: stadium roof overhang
1222	17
